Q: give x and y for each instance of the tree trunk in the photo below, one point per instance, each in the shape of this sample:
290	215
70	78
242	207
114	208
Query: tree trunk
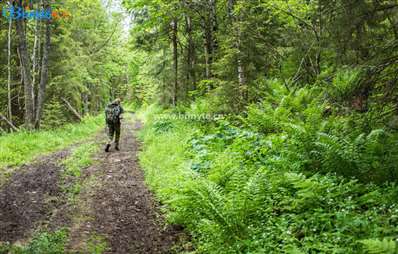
213	27
9	71
26	72
44	70
207	59
164	99
318	58
190	54
238	45
175	57
208	46
210	26
35	56
241	69
85	100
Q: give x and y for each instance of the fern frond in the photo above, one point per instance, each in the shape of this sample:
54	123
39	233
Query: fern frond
375	246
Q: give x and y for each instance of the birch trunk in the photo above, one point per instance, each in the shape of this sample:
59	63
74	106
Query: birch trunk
44	70
26	72
238	46
9	71
175	58
35	55
190	54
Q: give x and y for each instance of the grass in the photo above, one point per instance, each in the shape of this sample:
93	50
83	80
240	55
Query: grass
53	243
80	158
97	245
165	170
42	243
22	147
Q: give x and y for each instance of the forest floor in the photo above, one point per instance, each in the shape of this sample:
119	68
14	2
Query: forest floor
113	212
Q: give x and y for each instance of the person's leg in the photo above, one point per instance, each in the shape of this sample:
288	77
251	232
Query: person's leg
117	136
111	131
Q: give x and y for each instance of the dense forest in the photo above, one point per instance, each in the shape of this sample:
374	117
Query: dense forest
268	126
56	70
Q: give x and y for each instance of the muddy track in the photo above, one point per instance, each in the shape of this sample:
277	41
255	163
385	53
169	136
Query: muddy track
116	206
30	196
121	208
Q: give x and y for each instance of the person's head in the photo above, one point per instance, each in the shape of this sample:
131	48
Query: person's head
116	101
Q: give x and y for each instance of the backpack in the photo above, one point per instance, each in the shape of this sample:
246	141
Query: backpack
112	113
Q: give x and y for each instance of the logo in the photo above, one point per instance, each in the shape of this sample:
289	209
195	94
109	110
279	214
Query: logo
17	13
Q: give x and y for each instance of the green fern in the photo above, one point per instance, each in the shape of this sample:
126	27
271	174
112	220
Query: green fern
375	246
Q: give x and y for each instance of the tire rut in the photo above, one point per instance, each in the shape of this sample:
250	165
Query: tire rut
120	206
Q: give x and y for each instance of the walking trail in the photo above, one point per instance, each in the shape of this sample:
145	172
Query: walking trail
114	205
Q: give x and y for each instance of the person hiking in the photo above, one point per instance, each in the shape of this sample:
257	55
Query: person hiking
113	114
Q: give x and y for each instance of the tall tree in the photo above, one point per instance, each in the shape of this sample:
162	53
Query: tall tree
9	70
237	41
191	75
174	38
26	70
44	69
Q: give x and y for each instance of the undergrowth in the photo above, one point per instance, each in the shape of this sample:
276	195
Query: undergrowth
292	175
19	148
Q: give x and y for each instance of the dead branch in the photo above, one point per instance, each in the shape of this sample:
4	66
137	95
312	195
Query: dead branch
9	123
72	109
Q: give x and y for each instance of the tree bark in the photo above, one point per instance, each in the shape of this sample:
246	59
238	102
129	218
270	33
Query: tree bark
209	26
175	58
44	70
85	100
238	45
213	27
26	72
35	55
9	71
191	77
207	59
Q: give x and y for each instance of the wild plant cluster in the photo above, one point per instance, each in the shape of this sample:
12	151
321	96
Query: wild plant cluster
296	173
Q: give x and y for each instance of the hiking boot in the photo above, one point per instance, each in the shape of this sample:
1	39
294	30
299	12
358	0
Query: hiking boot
107	148
117	148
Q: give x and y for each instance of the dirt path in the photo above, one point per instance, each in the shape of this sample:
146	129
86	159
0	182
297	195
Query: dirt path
114	204
30	196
